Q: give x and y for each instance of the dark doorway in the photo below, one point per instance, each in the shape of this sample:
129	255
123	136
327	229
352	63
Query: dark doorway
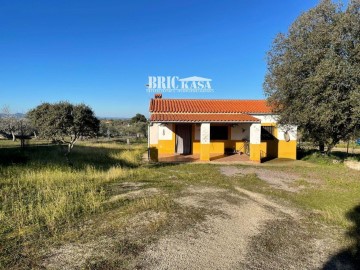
183	139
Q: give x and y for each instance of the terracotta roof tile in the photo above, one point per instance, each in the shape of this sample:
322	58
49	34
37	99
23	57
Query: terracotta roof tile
208	106
201	117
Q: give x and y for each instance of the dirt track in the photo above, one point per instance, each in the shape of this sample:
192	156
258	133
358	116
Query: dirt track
248	225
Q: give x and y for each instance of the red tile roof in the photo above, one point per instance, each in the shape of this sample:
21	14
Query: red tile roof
201	117
160	105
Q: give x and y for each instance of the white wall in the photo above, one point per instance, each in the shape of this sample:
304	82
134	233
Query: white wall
205	133
165	132
255	133
154	133
266	118
292	131
240	132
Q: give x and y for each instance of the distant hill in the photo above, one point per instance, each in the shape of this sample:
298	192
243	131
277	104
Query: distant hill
113	118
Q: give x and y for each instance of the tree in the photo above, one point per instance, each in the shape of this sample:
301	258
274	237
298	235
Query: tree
139	118
64	122
313	77
8	123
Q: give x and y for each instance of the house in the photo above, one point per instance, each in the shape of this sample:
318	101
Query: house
207	127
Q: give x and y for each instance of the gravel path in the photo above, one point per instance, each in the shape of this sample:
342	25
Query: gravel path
218	243
239	238
280	180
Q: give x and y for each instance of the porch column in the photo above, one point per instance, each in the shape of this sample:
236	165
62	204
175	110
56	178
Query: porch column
205	142
255	139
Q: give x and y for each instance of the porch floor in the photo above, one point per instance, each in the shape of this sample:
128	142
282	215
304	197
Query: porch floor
196	158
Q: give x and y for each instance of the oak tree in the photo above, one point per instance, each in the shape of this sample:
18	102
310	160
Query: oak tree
64	122
313	77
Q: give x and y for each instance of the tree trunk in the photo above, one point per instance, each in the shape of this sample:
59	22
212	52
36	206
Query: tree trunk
322	147
329	148
13	136
67	154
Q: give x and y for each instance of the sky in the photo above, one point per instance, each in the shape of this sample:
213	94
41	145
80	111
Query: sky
101	53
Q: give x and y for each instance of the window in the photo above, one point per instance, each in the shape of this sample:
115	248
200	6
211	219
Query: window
267	133
269	129
218	133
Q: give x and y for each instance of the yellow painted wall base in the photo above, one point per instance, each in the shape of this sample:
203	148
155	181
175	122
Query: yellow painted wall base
166	146
218	147
267	149
205	152
255	152
287	149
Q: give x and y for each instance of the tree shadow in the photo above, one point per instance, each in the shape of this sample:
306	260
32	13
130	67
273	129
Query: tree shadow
344	155
53	155
348	258
341	156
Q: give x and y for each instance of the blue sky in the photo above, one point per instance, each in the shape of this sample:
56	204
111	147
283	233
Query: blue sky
102	52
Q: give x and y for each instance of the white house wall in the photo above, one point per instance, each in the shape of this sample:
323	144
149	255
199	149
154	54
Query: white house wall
240	132
266	118
292	131
165	132
205	133
255	133
154	133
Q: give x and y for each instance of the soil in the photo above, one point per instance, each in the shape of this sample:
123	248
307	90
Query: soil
280	180
241	230
355	165
249	231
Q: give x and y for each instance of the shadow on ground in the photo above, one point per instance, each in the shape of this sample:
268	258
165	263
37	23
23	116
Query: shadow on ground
313	154
54	155
348	258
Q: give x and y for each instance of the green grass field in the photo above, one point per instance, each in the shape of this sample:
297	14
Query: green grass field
45	202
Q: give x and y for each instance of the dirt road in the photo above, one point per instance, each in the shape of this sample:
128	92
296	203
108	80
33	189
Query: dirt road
249	231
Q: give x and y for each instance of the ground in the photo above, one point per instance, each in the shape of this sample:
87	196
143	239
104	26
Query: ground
134	215
246	231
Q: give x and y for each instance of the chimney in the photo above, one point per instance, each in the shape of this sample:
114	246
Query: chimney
158	96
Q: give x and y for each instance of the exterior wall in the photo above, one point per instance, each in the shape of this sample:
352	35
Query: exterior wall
237	135
162	140
287	149
153	134
269	148
240	132
280	148
266	118
162	137
153	140
205	141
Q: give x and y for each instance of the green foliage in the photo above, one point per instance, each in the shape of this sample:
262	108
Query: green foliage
64	122
122	128
313	75
139	118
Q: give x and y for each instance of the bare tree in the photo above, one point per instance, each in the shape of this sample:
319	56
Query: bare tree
8	123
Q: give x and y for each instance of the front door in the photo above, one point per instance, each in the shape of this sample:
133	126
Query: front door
183	139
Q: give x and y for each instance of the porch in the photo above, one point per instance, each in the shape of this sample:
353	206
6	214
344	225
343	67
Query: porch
210	130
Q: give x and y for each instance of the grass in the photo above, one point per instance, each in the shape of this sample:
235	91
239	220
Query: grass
352	145
41	195
45	203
